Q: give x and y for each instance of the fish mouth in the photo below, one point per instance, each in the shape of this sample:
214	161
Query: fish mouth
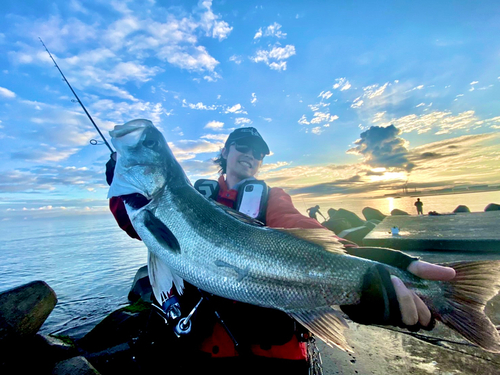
135	200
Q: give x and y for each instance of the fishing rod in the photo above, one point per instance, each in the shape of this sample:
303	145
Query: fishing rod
92	141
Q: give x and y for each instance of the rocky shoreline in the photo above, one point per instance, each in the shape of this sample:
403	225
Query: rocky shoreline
124	341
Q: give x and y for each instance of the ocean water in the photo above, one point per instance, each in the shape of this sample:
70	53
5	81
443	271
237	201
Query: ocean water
88	261
91	263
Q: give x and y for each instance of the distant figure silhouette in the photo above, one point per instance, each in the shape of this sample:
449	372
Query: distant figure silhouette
313	211
419	206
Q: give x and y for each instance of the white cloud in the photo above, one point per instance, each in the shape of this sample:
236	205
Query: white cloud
342	84
325	94
6	93
214	125
258	34
242	120
474	83
420	105
357	102
237	108
317	130
254	98
275	57
236	59
211	24
374	90
199	106
303	120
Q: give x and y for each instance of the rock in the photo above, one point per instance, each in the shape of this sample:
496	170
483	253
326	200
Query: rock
118	327
372	214
356	235
24	309
351	217
461	208
331	212
492	207
336	225
74	366
397	212
141	286
370	225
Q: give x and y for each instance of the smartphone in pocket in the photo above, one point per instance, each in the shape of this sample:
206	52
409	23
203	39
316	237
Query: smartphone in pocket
252	199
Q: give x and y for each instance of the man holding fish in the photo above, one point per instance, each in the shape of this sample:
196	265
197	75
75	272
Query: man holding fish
256	325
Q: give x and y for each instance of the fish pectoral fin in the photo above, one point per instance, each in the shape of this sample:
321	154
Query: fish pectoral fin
321	237
241	272
160	231
325	323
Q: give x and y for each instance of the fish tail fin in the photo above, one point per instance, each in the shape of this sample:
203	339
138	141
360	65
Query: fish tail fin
466	296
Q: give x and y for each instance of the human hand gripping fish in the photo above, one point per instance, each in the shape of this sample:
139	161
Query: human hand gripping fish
303	272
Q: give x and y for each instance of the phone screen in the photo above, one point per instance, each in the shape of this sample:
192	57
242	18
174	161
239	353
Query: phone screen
250	202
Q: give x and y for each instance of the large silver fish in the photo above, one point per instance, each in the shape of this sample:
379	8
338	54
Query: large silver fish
304	273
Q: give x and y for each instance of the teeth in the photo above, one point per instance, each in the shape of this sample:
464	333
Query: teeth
246	163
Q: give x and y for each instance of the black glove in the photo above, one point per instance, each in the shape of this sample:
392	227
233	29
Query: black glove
110	168
379	303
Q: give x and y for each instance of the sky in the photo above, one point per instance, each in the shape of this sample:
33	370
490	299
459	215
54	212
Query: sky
355	99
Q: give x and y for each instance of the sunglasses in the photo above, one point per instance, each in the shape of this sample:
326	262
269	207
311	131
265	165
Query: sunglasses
257	152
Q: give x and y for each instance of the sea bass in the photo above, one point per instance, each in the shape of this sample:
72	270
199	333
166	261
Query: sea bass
303	272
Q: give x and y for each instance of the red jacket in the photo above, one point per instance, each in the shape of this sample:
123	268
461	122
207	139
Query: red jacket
280	214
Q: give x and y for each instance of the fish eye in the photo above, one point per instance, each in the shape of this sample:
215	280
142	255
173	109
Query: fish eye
149	143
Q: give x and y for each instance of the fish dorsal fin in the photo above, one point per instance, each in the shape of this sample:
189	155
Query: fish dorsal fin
321	237
238	215
325	323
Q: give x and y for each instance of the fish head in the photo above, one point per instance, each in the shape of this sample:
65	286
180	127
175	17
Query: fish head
142	159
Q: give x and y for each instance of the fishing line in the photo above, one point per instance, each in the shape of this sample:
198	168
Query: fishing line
92	141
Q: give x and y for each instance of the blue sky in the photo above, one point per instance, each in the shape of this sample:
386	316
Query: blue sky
354	98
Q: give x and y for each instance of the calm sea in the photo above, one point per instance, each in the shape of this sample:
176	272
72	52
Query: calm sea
91	263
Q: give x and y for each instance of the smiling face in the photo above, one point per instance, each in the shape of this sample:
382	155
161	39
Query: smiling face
239	165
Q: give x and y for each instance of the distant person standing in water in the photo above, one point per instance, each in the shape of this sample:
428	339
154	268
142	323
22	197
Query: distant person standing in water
419	206
313	211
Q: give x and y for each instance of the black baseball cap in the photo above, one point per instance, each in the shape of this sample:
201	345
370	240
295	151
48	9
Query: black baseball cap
247	134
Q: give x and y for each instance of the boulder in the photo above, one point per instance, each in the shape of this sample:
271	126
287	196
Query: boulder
74	366
461	208
372	214
492	207
351	217
24	309
331	212
356	235
336	225
397	212
141	286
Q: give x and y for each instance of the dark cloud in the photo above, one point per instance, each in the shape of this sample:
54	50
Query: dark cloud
381	147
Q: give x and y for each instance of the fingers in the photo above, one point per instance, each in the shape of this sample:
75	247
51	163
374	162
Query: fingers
431	271
424	314
409	312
